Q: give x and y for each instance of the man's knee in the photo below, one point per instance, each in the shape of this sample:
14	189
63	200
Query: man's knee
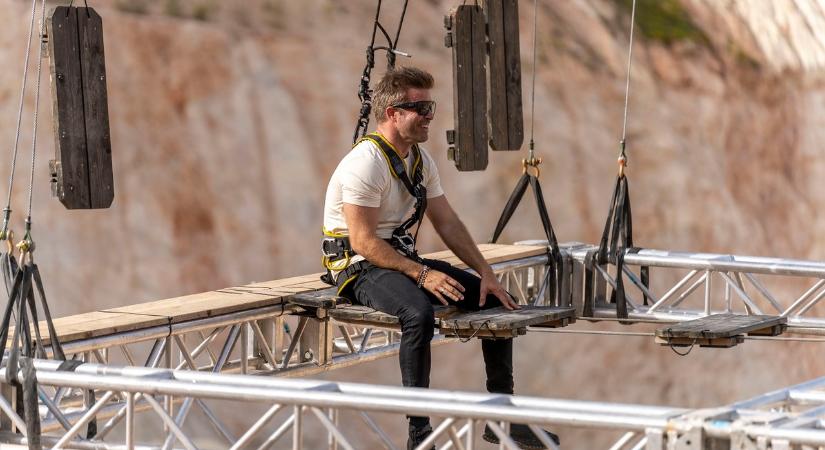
418	316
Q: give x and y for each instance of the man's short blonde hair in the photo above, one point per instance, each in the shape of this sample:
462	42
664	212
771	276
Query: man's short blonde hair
392	89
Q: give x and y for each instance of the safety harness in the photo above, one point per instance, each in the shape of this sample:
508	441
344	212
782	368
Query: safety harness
335	247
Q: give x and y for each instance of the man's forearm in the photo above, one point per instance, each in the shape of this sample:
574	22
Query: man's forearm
380	253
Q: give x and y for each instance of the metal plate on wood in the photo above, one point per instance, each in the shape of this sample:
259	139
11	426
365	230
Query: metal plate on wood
82	169
506	116
467	37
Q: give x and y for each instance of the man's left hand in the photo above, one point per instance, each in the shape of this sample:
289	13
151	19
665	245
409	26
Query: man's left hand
490	285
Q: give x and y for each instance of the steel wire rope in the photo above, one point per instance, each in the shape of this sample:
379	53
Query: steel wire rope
364	91
531	154
623	154
15	146
27	237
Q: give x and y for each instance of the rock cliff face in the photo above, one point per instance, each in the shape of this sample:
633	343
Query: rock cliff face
227	119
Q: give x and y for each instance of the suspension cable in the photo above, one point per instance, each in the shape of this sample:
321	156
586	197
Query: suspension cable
26	246
7	210
531	155
622	154
364	91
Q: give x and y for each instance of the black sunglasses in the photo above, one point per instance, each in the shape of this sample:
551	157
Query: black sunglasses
421	107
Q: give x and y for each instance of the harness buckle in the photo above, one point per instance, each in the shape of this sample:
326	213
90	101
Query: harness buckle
333	248
403	242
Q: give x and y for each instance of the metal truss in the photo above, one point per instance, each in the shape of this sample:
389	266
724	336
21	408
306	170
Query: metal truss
281	340
168	397
687	286
790	418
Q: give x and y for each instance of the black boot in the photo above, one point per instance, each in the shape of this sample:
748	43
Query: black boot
522	435
417	436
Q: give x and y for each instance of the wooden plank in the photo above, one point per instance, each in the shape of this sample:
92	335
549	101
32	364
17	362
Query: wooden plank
719	326
324	299
241	298
68	111
467	37
96	108
501	319
506	117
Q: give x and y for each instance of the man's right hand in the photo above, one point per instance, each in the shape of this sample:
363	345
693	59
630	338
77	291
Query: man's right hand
443	287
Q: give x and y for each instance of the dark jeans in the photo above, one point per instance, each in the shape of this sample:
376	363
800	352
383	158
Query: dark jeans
394	293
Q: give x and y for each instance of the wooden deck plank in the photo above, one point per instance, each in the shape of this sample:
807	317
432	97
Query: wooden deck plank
229	300
719	326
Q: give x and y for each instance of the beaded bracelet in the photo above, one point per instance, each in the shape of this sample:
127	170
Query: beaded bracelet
422	276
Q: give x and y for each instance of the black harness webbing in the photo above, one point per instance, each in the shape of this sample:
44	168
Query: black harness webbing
554	261
413	184
401	239
616	241
26	290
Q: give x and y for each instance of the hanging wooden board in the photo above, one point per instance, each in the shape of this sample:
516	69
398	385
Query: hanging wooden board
506	116
82	169
466	36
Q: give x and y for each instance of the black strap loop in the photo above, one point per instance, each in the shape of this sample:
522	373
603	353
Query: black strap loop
617	241
553	253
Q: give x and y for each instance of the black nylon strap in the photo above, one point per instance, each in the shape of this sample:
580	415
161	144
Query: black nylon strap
617	240
510	206
26	289
413	184
553	253
30	407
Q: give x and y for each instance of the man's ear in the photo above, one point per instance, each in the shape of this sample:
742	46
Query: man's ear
389	112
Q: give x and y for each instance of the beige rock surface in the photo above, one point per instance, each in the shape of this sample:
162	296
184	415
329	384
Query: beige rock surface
225	130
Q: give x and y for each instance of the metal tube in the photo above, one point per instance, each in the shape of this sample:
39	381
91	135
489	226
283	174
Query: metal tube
302	323
364	340
673	290
167	419
297	429
742	294
726	263
278	433
130	420
377	430
690	290
253	430
339	437
215	422
430	440
764	291
84	420
19	423
627	437
708	281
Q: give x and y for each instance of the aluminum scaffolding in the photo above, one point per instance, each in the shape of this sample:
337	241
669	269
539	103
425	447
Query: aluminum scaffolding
207	363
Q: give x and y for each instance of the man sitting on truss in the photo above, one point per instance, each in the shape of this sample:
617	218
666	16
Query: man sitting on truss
370	254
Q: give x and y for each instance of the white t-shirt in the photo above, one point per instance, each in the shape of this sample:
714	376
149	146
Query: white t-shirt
363	178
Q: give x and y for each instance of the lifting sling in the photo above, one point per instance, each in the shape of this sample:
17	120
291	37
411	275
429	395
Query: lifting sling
617	237
554	261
